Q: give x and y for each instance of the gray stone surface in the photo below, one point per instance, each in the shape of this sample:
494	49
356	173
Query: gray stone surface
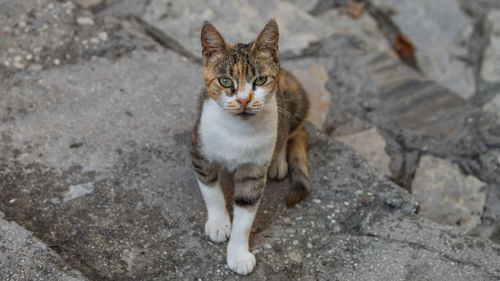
491	61
414	115
134	224
365	28
371	145
439	30
242	24
493	107
37	35
94	161
88	4
25	257
446	195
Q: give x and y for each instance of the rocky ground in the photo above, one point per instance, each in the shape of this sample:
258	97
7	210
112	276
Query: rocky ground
97	100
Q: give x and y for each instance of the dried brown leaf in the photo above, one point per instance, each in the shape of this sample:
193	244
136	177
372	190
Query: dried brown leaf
403	46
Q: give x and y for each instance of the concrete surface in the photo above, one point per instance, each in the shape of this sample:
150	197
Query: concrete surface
95	169
25	257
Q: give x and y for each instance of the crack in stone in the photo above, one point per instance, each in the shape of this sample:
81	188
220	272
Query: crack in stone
165	40
430	249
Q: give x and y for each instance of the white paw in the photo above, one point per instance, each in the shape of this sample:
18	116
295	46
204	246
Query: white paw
278	169
218	230
242	263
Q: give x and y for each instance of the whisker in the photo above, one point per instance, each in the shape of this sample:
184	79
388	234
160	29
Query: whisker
280	109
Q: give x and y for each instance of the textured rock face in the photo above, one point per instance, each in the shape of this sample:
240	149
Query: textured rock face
493	107
439	29
365	28
134	224
491	61
238	21
37	35
371	145
447	196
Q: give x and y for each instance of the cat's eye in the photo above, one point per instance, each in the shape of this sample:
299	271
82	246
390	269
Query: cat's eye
260	81
226	82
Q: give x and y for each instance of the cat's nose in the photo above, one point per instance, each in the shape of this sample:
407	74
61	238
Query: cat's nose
244	101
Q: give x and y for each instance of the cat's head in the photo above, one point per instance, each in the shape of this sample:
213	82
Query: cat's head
241	78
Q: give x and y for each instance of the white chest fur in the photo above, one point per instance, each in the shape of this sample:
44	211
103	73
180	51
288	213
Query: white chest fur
230	140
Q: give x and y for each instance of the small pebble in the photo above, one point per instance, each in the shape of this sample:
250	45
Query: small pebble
57	62
295	257
19	64
267	246
308	255
330	206
103	36
295	242
317	201
36	67
84	21
12	201
94	40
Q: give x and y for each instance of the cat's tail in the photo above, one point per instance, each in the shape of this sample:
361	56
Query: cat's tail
298	168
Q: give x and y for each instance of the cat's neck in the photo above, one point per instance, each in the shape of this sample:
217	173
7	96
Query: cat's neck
230	140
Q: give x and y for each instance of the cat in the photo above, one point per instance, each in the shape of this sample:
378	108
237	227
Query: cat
251	122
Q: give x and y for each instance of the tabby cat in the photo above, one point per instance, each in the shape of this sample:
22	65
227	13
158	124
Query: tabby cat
251	123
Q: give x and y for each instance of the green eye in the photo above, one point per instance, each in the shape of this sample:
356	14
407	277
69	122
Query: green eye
225	82
260	81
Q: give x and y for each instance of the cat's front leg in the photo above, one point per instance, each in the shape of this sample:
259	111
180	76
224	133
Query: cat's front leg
249	182
218	225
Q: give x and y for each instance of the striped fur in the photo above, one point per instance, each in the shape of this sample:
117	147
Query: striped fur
253	129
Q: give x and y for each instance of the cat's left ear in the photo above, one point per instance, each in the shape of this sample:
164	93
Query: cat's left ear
268	37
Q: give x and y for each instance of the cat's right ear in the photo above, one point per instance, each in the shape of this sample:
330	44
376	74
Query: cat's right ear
211	40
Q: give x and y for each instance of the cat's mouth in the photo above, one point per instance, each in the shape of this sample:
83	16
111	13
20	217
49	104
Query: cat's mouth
244	114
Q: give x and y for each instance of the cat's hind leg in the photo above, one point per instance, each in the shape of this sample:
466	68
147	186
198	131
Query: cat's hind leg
279	165
298	168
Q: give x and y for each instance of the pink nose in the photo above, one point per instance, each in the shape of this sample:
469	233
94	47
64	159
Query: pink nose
244	101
